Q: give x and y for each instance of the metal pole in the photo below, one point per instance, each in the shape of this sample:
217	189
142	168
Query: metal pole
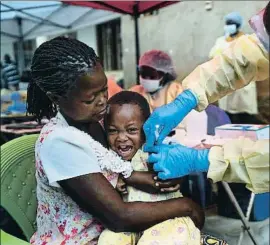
249	209
21	63
36	17
239	211
137	42
27	8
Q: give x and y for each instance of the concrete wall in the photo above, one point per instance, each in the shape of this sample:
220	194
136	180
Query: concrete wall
185	30
88	36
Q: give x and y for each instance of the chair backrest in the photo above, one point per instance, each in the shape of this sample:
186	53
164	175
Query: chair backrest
18	182
7	239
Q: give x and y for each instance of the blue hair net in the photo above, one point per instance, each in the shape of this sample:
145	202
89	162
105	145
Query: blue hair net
234	17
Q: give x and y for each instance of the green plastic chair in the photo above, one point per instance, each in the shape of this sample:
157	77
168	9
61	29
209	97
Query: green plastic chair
18	182
7	239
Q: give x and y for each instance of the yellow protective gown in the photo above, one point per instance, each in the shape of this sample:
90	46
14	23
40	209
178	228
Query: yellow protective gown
222	43
241	160
166	95
243	100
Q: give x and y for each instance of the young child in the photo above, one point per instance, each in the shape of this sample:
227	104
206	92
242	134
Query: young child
127	112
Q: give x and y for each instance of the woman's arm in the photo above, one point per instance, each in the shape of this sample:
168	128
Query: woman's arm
242	62
96	195
68	160
241	160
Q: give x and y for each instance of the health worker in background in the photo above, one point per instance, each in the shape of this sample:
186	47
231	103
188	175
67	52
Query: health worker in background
240	160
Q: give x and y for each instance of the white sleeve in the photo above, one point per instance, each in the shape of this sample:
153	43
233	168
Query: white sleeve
65	154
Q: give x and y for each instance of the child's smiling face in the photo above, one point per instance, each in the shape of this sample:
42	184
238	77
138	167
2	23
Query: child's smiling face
124	129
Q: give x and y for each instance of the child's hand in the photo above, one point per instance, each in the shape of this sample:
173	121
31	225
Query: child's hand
121	186
168	185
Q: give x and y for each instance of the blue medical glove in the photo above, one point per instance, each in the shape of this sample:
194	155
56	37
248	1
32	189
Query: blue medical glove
175	161
168	117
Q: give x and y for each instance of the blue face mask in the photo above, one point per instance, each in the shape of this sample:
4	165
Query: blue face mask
230	30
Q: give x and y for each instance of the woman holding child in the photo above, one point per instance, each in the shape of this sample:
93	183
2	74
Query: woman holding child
77	173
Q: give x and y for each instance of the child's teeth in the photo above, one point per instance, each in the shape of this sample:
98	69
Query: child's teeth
125	149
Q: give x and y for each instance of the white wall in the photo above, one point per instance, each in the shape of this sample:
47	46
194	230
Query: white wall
40	40
185	30
88	36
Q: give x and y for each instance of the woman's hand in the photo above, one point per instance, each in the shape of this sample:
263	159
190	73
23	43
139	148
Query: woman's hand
168	186
121	186
196	212
148	182
143	181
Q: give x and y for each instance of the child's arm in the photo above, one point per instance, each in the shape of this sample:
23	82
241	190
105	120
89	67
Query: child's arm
146	181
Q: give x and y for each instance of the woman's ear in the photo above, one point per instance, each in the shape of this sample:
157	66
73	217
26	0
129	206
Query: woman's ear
53	97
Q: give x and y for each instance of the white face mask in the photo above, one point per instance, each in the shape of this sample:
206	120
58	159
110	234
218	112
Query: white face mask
150	86
230	30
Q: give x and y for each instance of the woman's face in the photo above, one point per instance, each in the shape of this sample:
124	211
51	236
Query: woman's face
88	100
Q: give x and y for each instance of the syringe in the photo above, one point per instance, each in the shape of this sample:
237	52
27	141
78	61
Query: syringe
157	132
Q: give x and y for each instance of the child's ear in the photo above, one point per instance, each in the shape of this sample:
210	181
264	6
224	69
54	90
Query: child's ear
53	97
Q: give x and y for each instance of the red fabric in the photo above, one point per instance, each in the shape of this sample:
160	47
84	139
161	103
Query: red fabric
123	7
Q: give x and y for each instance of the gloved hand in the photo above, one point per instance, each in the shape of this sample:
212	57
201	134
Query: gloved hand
168	117
175	161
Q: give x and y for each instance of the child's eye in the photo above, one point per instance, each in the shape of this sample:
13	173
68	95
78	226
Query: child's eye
112	131
132	130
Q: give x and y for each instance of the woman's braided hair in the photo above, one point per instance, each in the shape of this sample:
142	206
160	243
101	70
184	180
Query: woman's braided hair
266	18
56	66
